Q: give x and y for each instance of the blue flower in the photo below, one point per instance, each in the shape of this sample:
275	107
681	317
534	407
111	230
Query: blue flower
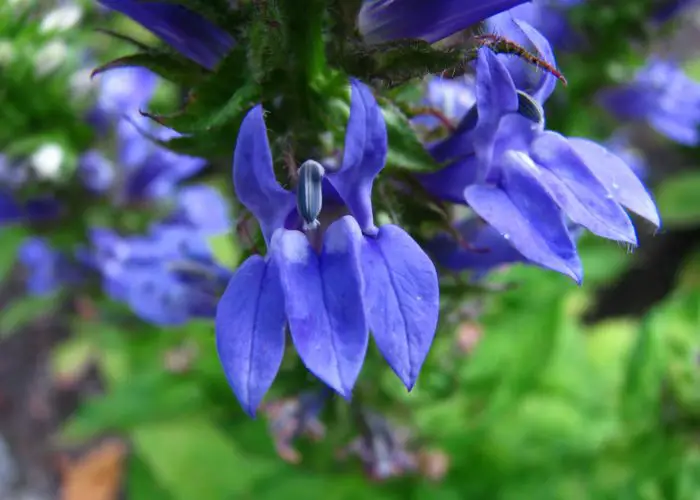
187	32
478	247
144	170
330	285
203	208
549	17
96	171
38	209
386	20
166	277
124	90
621	145
47	269
662	95
526	181
453	98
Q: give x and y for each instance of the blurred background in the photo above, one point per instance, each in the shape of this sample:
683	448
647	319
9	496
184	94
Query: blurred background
543	390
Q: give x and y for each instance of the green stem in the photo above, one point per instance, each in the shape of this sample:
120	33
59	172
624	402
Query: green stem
303	24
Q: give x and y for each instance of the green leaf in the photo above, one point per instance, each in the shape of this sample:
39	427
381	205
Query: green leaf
643	377
192	458
70	357
12	238
124	38
405	149
225	250
678	200
196	118
24	310
137	400
168	65
141	485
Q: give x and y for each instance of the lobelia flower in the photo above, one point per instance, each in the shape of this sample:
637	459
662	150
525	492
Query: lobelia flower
166	277
145	170
453	98
201	207
187	32
526	181
47	268
38	209
549	17
662	95
330	291
387	20
621	145
121	92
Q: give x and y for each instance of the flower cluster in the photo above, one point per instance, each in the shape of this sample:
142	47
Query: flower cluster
330	275
377	154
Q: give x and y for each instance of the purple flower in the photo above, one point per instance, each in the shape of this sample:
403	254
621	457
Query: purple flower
294	417
662	95
386	20
332	284
526	181
187	32
382	448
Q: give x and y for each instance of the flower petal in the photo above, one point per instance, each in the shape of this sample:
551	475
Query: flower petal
618	177
578	191
489	248
186	31
523	212
324	303
449	182
385	20
250	321
402	300
364	155
253	176
496	97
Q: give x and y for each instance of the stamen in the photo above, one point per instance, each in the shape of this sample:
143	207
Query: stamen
310	193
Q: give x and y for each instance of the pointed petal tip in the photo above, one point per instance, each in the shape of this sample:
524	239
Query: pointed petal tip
250	410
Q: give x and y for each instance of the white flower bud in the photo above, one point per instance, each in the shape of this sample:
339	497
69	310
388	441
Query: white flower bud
50	57
47	161
61	19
